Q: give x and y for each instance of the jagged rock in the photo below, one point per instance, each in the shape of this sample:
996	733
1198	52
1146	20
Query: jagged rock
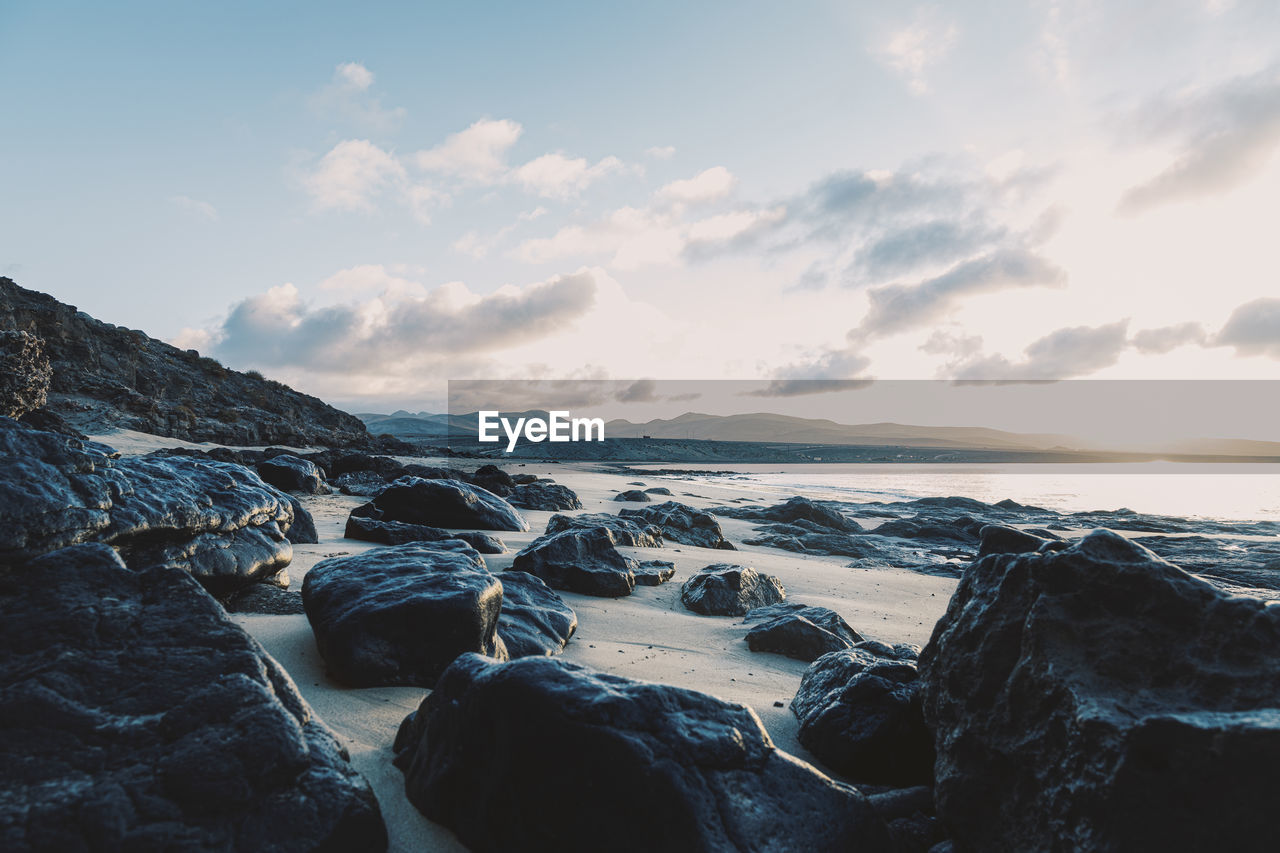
622	530
446	503
584	561
399	533
632	495
24	373
1242	565
654	572
107	376
822	514
362	484
859	714
1100	698
534	620
799	631
302	530
398	615
669	769
681	523
727	590
138	716
216	520
292	474
998	539
545	496
658	490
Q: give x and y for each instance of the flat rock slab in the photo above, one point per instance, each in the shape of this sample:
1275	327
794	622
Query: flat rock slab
399	615
681	523
447	503
494	752
534	620
799	631
654	572
138	716
1101	698
400	533
723	589
579	560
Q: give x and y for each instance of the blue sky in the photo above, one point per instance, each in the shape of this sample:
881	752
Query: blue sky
366	202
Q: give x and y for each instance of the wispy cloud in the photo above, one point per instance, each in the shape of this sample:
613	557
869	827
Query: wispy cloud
1253	328
1062	354
348	96
708	185
195	207
916	48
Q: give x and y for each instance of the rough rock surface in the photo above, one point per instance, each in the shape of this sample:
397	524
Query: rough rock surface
728	590
399	533
534	620
799	631
859	713
138	716
668	768
545	496
216	520
108	376
24	373
624	531
633	496
288	472
363	484
654	572
998	539
681	523
577	560
446	503
302	530
825	514
1100	698
399	615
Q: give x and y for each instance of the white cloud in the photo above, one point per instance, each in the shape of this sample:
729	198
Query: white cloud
708	185
477	153
351	175
661	152
201	209
916	48
557	176
348	96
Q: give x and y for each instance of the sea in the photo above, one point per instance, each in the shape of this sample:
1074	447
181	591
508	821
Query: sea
1221	492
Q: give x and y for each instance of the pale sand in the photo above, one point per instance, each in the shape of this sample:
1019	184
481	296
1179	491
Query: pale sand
647	635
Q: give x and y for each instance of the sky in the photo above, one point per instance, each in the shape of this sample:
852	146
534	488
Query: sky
366	202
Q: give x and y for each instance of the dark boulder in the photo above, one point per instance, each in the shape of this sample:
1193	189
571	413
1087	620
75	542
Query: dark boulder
650	767
681	523
859	714
216	520
24	373
799	631
727	590
623	531
293	474
302	530
654	572
524	479
400	533
138	716
633	496
822	514
584	561
658	490
1100	698
350	463
447	503
492	478
545	496
362	484
998	539
534	620
398	615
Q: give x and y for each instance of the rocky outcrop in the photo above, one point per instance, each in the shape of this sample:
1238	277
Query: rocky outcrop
108	376
1100	698
623	531
727	590
138	716
544	495
668	768
446	503
24	373
534	620
633	496
399	615
859	713
799	631
824	514
399	533
998	539
681	523
364	484
216	520
292	474
578	560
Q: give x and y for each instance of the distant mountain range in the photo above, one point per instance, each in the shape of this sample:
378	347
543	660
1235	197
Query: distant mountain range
771	428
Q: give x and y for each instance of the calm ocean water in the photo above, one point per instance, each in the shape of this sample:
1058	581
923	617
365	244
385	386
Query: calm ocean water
1237	492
